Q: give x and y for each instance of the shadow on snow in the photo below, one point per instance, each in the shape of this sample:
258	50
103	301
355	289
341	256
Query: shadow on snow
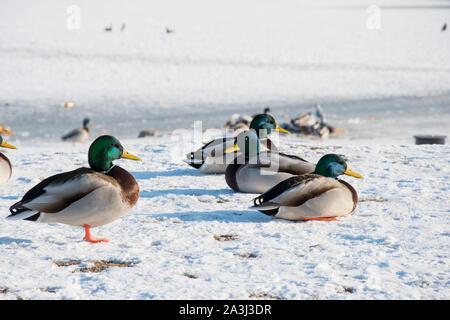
186	192
172	173
220	216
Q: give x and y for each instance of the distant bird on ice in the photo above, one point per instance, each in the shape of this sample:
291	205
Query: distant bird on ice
69	104
168	30
109	28
80	134
122	28
444	27
147	133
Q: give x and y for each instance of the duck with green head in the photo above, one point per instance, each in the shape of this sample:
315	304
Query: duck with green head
85	197
255	170
214	156
79	135
5	164
316	196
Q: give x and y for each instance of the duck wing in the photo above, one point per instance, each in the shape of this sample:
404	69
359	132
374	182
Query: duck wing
211	148
294	164
295	191
58	192
72	134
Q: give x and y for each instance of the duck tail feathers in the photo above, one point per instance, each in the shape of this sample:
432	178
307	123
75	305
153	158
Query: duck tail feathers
19	212
266	206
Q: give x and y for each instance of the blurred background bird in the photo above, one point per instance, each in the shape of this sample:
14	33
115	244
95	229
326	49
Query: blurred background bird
79	135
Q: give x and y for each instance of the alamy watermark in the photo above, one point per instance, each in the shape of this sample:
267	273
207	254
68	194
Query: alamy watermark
73	21
373	21
227	149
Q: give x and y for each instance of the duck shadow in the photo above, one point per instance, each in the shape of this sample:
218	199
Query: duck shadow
8	240
230	216
186	192
172	173
10	197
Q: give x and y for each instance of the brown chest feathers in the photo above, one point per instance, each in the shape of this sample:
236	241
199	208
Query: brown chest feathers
353	191
128	185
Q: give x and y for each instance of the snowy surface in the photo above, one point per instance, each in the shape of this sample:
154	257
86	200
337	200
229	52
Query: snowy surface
394	246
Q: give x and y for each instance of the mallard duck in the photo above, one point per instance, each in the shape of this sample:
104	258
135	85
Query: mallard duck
266	111
147	133
215	156
85	197
69	104
255	171
79	135
316	196
5	165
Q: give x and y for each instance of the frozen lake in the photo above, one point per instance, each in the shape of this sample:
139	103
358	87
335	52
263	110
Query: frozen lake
224	57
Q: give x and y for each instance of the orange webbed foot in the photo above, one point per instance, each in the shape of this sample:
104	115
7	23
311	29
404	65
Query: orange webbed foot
95	240
88	237
320	218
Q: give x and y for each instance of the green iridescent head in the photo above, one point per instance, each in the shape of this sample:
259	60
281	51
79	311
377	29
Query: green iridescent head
264	124
86	122
104	150
332	166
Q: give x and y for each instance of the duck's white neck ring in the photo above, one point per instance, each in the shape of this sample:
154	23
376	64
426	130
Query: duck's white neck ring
107	171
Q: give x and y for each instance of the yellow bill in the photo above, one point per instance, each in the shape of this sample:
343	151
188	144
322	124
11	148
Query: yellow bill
279	129
231	149
4	144
353	174
126	155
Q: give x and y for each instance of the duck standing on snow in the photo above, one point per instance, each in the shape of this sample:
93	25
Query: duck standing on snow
5	164
213	157
85	197
79	135
316	196
253	171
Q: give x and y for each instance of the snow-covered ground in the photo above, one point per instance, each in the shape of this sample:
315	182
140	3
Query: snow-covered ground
394	246
190	236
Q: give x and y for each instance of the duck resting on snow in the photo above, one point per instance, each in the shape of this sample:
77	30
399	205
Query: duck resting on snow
5	164
85	197
215	156
316	196
255	171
